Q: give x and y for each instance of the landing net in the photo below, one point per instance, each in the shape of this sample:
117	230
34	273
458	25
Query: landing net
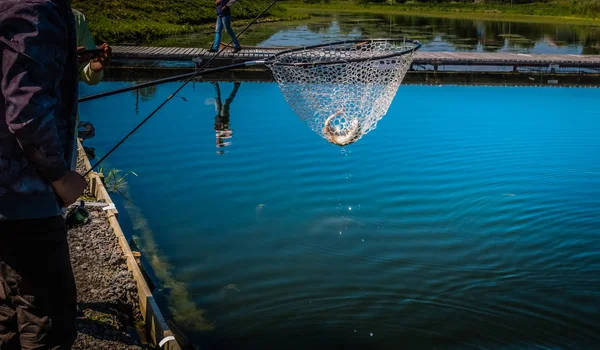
342	90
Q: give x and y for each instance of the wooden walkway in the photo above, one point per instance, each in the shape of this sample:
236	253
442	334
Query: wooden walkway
434	59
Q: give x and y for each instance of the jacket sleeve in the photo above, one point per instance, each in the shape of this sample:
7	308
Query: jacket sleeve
84	38
32	66
89	76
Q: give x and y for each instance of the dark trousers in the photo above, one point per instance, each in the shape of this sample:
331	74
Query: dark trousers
38	299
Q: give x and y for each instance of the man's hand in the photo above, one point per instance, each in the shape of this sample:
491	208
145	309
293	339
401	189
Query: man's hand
69	187
100	62
81	58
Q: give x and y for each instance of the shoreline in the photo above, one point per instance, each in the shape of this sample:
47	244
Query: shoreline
474	12
147	30
116	307
109	311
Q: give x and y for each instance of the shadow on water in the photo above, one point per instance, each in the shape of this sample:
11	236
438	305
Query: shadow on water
439	34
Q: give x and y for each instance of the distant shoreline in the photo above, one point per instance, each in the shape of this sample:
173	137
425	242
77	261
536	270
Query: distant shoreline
136	21
150	25
551	12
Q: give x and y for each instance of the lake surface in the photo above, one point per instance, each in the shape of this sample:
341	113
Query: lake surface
467	220
438	34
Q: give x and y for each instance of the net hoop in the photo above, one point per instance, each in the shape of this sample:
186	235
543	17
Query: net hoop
342	89
413	45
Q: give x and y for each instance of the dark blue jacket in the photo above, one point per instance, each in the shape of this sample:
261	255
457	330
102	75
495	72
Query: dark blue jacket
227	11
38	104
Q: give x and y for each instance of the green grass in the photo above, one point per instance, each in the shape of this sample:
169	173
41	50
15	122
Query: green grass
118	21
558	11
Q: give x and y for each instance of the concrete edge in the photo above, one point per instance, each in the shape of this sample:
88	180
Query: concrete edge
156	325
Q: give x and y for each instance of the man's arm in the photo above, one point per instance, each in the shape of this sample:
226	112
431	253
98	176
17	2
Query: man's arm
32	66
84	38
231	2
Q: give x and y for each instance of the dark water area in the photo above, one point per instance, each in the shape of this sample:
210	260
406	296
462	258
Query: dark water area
438	34
468	219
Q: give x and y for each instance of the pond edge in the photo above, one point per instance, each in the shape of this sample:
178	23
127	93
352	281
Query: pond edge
155	323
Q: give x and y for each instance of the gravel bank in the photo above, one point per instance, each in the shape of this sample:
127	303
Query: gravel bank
106	291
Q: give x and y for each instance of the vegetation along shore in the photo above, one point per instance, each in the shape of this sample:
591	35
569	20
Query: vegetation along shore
119	21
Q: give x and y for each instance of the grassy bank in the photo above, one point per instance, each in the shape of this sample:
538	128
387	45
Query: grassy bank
558	11
118	21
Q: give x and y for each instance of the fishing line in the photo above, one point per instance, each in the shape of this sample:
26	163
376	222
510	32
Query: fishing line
178	89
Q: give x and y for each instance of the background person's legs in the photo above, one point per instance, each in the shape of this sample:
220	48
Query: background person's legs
227	24
218	31
34	255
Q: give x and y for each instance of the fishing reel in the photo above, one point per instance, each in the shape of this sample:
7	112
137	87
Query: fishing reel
77	216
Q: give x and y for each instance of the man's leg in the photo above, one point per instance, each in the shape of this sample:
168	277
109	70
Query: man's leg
218	31
9	338
46	299
227	24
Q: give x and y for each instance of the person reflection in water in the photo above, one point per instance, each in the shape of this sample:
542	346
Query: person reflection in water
222	130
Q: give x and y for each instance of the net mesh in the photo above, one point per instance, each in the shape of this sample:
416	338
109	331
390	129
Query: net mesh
342	100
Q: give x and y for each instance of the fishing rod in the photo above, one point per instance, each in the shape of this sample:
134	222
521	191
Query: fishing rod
192	76
162	81
240	65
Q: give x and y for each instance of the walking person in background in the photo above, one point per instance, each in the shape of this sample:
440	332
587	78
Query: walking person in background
38	107
224	20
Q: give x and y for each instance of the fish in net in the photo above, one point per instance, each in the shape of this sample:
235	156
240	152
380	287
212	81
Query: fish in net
341	90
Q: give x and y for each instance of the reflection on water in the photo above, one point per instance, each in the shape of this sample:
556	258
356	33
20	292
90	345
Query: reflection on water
145	94
438	34
467	220
222	130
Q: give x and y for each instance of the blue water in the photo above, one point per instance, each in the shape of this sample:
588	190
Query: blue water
467	220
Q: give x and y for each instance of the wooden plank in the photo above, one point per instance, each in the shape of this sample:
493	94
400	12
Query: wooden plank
163	51
154	50
175	51
172	51
421	57
144	51
131	49
181	50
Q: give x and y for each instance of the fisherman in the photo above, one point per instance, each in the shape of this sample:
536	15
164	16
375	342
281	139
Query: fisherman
91	68
224	20
38	99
